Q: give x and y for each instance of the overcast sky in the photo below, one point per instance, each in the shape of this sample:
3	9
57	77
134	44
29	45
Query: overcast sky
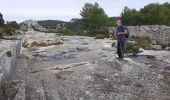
21	10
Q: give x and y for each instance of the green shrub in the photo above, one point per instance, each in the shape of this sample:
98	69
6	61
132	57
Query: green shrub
132	48
8	29
143	42
100	36
63	30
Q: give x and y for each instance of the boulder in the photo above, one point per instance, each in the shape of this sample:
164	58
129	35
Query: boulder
156	47
167	48
31	25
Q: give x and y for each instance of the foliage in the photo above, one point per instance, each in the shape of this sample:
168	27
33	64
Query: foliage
52	24
93	18
1	19
8	28
151	14
143	42
100	36
63	31
132	48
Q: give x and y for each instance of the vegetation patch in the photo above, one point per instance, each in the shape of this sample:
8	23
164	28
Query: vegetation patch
131	48
100	36
143	42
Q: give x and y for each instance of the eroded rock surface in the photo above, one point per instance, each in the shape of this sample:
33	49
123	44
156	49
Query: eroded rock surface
83	68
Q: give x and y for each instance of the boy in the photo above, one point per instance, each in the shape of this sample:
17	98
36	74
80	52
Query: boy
120	33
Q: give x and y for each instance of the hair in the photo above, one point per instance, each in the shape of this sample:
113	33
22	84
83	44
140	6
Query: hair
117	19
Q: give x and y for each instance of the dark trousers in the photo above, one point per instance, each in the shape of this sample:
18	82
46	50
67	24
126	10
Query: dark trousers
120	47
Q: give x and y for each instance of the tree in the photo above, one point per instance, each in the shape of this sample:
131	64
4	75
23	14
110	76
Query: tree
1	19
93	18
152	14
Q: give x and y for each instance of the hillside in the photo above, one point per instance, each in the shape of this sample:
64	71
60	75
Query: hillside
52	24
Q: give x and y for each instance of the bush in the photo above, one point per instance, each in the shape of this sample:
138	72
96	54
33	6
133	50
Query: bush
63	30
143	42
7	29
100	36
132	48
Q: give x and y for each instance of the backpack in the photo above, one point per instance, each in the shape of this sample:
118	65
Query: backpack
128	33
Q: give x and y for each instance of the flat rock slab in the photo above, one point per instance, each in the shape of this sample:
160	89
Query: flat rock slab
92	74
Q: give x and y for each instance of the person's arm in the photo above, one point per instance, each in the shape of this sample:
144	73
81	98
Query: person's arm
125	32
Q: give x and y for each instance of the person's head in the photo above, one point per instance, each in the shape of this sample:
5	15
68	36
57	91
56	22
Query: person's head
118	22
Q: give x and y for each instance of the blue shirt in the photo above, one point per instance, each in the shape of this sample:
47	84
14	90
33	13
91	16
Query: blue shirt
122	37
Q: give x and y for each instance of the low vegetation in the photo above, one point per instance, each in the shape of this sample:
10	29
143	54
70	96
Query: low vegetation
143	42
131	48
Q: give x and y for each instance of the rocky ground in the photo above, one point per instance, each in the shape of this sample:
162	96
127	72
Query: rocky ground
83	68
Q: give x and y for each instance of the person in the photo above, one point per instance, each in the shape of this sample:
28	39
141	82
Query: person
120	33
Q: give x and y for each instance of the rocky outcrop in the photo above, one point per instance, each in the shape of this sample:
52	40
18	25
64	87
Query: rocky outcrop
160	35
31	25
10	49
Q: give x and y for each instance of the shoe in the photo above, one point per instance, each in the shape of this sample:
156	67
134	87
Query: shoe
119	58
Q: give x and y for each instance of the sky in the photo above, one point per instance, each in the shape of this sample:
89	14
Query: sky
20	10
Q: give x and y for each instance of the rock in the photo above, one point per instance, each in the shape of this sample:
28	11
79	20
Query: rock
83	49
167	48
14	90
156	47
153	42
31	25
8	58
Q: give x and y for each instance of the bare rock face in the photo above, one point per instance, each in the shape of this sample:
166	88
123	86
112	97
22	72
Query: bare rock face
156	47
31	25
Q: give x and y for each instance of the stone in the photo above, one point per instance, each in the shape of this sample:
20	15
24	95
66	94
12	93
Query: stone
8	58
167	48
156	47
31	25
14	90
153	42
83	49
